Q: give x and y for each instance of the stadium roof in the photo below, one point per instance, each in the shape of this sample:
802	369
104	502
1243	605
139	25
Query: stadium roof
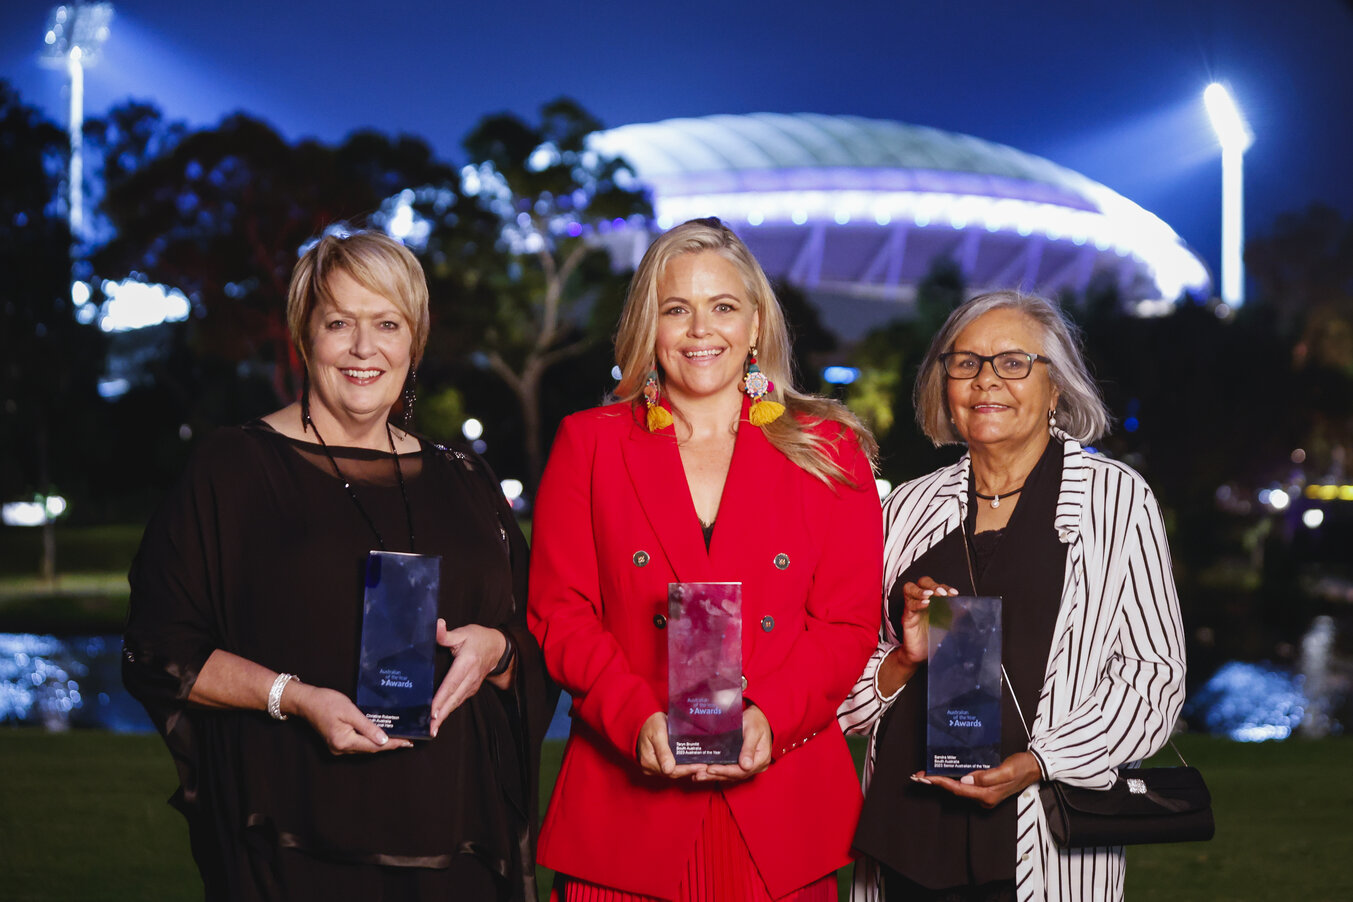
859	207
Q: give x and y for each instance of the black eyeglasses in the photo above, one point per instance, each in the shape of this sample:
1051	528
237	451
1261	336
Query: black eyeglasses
1006	365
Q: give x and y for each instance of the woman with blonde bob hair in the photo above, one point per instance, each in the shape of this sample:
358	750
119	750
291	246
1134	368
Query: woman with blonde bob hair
247	606
708	466
1092	646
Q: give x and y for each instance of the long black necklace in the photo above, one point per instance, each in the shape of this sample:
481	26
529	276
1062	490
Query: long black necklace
399	474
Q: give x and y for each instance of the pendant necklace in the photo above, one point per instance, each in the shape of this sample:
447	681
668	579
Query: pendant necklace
994	499
399	474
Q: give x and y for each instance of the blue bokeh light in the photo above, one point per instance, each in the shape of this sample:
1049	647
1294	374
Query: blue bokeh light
1249	702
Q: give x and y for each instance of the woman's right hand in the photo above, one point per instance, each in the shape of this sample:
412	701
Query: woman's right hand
344	728
655	752
904	660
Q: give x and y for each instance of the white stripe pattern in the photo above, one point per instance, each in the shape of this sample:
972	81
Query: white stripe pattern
1114	681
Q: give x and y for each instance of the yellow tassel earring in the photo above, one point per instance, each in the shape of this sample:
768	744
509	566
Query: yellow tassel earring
757	386
658	416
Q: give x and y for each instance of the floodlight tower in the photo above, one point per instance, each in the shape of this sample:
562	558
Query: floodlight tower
75	35
1235	138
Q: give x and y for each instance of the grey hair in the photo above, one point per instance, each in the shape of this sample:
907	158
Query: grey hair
1081	411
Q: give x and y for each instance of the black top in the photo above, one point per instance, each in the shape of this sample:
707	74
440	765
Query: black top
259	551
925	833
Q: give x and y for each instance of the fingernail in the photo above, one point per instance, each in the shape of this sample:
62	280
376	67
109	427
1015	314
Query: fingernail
926	593
382	738
434	732
967	780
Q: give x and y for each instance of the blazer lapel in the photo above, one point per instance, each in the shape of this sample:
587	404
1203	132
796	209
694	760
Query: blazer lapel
752	494
654	466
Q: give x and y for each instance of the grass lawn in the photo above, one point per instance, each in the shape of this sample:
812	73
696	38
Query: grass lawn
83	817
89	595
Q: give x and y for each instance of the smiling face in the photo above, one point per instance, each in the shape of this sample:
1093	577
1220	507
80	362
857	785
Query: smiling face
706	326
360	352
1009	414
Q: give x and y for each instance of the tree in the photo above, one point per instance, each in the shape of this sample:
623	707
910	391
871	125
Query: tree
523	256
888	358
48	361
223	213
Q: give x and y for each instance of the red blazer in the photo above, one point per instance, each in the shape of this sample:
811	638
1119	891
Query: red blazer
614	524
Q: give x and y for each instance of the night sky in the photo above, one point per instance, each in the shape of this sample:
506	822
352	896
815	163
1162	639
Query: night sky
1113	91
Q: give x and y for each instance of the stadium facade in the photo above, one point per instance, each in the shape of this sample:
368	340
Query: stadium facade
856	211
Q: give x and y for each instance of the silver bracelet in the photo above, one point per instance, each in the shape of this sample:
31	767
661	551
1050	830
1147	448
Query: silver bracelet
275	695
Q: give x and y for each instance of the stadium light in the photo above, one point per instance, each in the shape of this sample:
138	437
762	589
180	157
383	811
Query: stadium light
1235	137
75	35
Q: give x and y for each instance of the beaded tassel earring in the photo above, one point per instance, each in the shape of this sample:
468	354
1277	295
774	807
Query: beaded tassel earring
658	416
305	401
757	386
410	394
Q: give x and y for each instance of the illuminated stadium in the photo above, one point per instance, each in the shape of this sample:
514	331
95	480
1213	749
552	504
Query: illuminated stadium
855	211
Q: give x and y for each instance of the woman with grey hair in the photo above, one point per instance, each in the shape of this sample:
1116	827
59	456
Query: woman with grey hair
1074	545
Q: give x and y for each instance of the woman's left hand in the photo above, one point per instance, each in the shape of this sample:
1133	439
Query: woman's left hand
755	754
476	650
990	787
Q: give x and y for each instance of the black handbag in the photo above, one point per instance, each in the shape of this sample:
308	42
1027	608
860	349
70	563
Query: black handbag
1144	805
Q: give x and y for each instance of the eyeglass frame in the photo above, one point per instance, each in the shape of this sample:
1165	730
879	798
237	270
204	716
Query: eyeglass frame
984	359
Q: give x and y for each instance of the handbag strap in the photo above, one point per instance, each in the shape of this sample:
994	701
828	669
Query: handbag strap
972	578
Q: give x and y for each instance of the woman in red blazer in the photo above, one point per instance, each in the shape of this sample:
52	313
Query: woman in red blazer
705	437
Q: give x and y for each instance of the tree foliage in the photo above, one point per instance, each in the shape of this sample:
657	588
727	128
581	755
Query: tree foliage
48	361
525	258
223	213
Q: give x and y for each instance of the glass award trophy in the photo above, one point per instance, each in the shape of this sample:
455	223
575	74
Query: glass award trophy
396	670
704	672
963	704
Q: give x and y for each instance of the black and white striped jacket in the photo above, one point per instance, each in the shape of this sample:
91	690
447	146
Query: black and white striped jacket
1114	681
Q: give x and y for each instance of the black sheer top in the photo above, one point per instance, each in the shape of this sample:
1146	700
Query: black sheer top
926	833
259	551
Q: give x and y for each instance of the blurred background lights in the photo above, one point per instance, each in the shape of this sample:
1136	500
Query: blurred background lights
840	375
884	487
23	513
472	429
1313	517
1320	492
33	513
115	387
136	305
615	372
1277	499
1249	702
512	488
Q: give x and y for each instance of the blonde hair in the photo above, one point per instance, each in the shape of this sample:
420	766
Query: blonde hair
1081	411
375	261
637	334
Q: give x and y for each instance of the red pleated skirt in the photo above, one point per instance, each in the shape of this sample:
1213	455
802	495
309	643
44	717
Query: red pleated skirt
720	869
